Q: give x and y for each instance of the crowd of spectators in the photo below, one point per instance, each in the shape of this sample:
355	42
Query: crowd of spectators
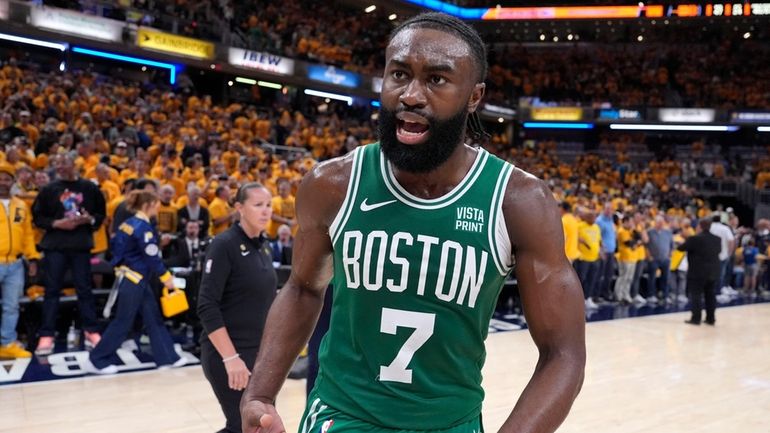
195	153
727	75
702	69
623	222
124	135
339	35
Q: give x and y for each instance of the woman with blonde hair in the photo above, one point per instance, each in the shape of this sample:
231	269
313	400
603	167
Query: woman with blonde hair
237	288
136	258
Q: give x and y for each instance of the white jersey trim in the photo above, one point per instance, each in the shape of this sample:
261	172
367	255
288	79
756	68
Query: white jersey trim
447	199
499	241
350	197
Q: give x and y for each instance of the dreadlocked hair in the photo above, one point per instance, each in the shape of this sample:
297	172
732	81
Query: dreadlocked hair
446	23
450	24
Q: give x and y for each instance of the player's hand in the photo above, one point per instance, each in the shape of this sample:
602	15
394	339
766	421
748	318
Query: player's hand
259	417
237	374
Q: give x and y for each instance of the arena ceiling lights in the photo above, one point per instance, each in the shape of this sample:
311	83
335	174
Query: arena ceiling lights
654	127
121	58
269	85
253	82
336	96
36	42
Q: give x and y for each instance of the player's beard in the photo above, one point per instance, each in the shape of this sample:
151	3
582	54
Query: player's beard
443	138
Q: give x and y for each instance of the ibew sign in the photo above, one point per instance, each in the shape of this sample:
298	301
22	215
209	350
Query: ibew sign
261	61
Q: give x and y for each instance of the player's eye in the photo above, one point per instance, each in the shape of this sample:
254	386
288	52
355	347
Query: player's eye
437	80
398	75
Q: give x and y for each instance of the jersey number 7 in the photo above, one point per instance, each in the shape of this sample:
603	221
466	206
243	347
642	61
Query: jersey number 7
422	323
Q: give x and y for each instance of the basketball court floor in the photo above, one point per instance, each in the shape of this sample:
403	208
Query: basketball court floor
644	374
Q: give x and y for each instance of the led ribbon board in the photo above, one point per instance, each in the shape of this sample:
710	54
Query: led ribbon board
129	59
742	8
30	41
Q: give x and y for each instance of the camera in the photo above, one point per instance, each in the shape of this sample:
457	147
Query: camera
199	255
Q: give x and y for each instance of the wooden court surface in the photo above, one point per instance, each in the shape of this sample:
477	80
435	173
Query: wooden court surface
647	374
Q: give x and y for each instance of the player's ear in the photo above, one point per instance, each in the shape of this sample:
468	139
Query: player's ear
476	95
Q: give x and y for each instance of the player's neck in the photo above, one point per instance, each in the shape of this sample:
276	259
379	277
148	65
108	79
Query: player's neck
440	181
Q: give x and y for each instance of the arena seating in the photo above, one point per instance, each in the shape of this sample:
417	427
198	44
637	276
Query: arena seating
88	114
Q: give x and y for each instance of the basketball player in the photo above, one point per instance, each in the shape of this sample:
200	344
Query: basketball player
417	234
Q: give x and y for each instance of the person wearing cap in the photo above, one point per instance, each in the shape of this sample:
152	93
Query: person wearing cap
30	130
16	243
25	187
120	158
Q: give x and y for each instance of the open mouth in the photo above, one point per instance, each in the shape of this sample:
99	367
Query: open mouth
411	128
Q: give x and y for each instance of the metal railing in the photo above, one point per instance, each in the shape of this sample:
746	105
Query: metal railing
744	192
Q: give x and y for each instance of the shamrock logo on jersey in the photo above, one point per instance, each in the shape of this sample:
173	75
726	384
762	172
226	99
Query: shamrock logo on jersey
327	425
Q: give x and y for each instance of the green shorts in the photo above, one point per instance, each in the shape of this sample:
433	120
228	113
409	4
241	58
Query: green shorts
320	418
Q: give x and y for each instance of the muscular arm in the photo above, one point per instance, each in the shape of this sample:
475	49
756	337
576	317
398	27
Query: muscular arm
318	200
553	305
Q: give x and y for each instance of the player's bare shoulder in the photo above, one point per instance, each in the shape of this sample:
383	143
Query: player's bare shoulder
529	206
524	186
323	189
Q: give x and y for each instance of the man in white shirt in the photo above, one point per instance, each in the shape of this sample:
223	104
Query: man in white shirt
728	246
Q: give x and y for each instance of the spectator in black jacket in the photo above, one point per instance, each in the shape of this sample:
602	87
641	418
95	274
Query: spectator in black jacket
703	272
184	250
197	146
193	211
69	209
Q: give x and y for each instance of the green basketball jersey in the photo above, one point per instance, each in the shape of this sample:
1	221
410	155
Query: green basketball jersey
415	285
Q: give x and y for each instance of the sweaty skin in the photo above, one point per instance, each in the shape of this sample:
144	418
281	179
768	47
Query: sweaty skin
426	70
